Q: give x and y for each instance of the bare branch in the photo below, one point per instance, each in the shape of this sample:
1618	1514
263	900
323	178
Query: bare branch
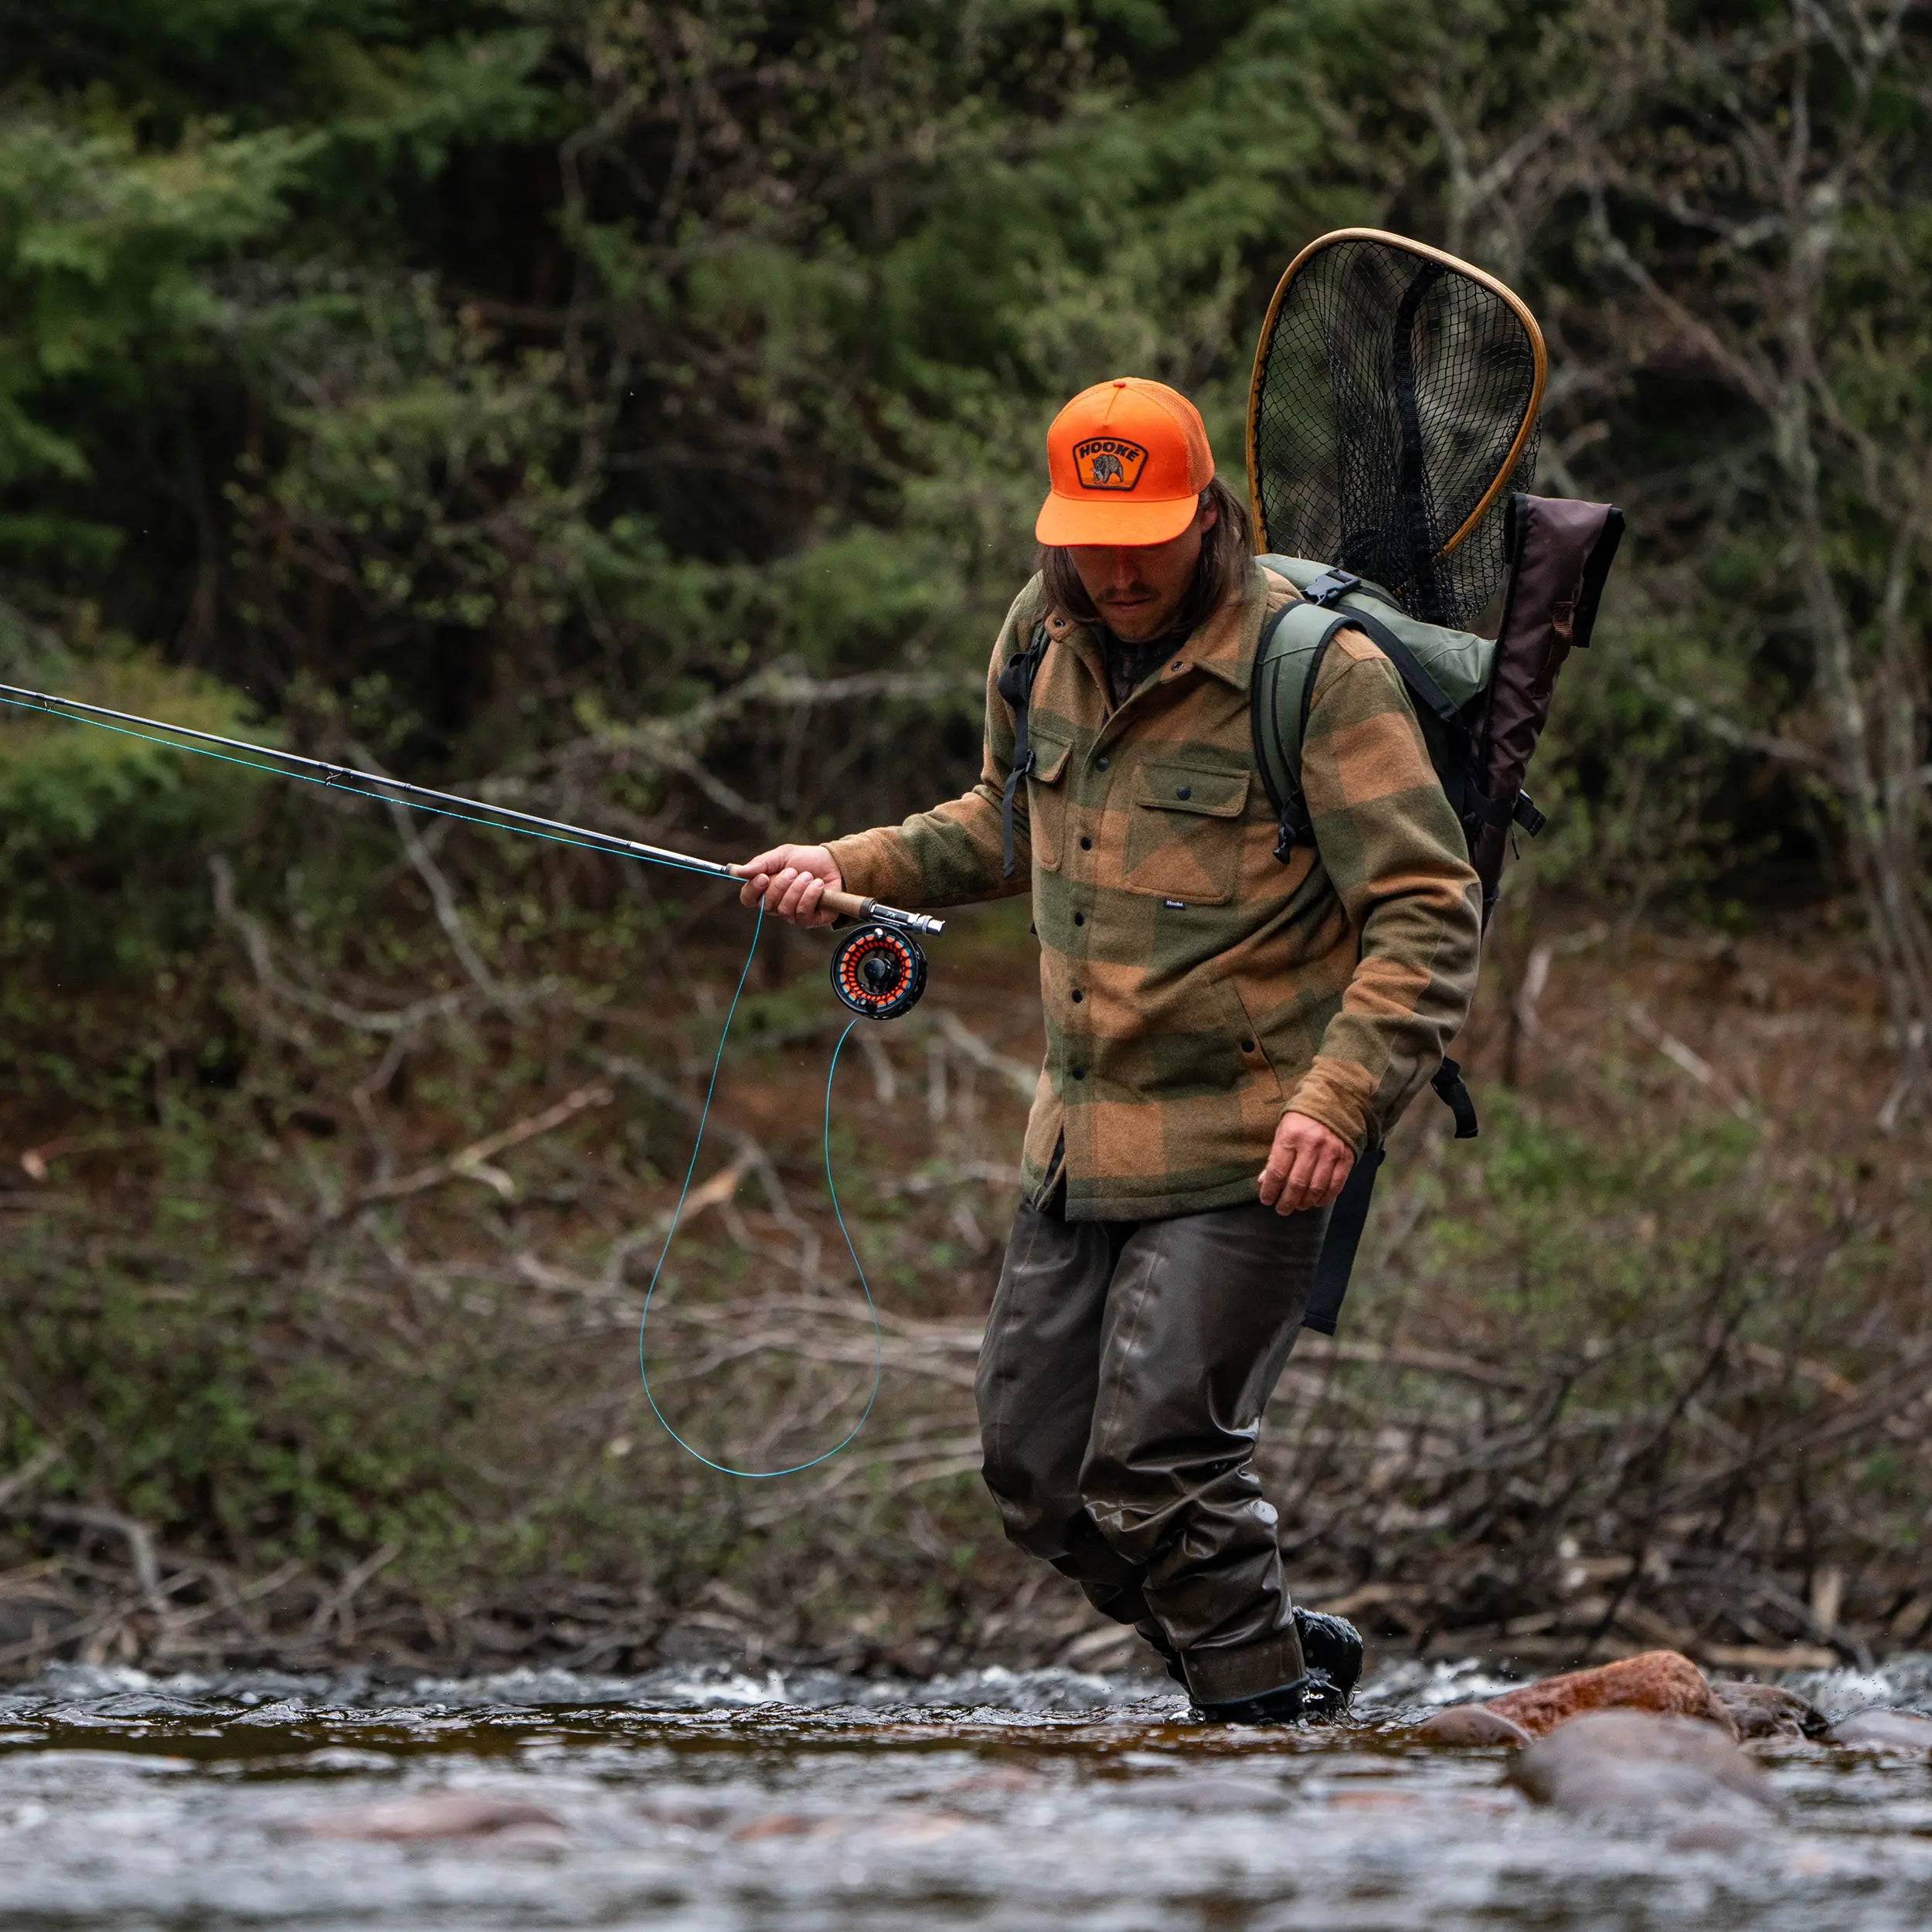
471	1162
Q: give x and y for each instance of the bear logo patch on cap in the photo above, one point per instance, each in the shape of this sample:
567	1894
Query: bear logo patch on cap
1108	463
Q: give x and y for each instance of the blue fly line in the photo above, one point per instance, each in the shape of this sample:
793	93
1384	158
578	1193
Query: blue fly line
832	1188
717	1061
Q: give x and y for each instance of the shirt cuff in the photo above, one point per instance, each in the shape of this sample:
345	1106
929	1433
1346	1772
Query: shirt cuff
1323	1095
861	866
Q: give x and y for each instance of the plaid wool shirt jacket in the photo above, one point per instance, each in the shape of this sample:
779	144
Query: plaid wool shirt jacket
1196	987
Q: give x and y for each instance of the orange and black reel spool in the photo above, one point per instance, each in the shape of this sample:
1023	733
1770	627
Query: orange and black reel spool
879	971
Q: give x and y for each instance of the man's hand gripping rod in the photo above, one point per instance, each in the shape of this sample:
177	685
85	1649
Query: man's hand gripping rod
879	970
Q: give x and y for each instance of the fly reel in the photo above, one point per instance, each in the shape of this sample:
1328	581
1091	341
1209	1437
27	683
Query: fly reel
879	971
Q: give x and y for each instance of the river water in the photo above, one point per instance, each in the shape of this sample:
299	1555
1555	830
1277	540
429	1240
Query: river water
698	1800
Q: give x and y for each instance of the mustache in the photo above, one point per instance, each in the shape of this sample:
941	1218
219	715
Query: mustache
1114	592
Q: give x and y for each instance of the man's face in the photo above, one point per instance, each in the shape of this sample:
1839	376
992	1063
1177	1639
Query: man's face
1137	588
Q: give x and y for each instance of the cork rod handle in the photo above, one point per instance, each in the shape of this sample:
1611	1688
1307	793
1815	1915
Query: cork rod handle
846	905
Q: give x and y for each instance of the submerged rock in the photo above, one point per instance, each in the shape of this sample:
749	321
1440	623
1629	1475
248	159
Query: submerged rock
1631	1764
1467	1724
1663	1681
1768	1710
434	1814
1897	1734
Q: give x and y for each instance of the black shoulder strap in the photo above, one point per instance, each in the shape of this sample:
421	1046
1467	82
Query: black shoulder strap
1016	687
1457	780
1336	1261
1261	719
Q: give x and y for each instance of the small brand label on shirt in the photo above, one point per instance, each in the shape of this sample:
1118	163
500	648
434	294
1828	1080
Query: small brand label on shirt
1180	905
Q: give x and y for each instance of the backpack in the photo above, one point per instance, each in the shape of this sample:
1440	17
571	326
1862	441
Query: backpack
1482	702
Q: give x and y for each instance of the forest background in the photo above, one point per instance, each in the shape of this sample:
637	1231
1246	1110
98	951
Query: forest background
633	412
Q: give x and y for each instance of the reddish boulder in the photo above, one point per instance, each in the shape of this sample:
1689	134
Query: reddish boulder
1661	1681
1897	1734
1470	1724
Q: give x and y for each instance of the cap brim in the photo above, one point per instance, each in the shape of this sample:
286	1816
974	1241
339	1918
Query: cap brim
1065	520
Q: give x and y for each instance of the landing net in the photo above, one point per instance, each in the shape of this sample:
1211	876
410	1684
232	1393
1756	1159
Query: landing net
1393	405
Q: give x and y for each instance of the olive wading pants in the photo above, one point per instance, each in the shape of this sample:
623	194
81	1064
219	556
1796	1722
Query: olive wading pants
1121	1387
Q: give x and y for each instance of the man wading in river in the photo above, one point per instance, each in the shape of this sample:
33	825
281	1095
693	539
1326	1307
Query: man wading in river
1225	1033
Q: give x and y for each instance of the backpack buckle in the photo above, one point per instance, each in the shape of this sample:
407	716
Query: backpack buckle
1330	587
1293	827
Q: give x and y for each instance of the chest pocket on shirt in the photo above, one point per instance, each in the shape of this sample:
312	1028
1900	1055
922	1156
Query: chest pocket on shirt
1046	799
1184	833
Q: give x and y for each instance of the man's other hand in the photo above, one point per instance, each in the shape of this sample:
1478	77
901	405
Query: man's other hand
790	880
1307	1165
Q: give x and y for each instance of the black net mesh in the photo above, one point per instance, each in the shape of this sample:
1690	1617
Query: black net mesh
1385	401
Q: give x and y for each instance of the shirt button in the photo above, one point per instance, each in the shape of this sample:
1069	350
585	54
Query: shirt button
1080	919
1079	1073
1100	765
1077	996
1087	844
1247	1046
1184	791
1176	666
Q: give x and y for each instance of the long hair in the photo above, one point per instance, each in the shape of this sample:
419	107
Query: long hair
1221	574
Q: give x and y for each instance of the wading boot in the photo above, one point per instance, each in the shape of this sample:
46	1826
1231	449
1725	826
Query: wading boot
1331	1648
1289	1704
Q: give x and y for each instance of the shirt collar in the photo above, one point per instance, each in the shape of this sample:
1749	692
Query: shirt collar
1224	643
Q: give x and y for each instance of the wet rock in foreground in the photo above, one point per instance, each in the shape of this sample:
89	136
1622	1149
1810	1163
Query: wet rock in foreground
1633	1765
1471	1724
1662	1681
1768	1710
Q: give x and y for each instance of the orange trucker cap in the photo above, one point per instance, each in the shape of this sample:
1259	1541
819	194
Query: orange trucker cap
1128	459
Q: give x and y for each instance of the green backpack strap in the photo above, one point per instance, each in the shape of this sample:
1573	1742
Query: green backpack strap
1292	642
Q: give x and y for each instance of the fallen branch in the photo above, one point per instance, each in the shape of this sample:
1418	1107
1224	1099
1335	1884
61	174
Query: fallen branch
1535	979
471	1163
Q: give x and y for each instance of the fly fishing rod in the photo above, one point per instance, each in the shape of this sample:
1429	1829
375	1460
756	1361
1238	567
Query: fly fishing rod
878	970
